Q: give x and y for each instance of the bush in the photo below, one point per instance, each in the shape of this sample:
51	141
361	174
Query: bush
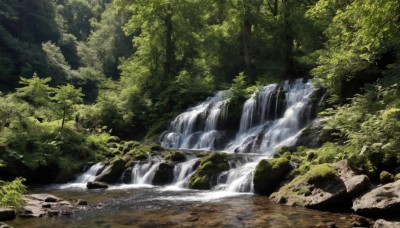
11	193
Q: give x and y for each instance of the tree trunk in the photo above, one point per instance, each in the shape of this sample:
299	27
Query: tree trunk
63	119
169	44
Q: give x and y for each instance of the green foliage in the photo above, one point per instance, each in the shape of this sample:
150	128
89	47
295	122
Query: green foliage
36	90
11	193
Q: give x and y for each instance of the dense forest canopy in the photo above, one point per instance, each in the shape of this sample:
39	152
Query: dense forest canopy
76	73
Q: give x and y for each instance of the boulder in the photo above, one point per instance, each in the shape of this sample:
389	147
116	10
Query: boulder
164	174
112	173
127	175
81	202
381	201
96	185
175	156
207	171
380	223
386	177
323	186
269	173
7	214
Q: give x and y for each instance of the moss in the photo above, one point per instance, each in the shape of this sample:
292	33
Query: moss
397	177
386	177
175	156
210	166
304	191
139	152
320	173
269	173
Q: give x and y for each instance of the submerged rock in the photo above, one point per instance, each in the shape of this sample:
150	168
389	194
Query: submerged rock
164	174
381	201
380	223
207	171
7	214
112	173
96	185
269	173
324	186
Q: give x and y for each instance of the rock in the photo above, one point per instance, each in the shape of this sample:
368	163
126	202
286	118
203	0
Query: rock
360	222
53	213
381	201
314	135
324	186
113	172
81	202
46	205
380	223
269	173
127	175
176	156
96	185
397	177
7	214
207	171
45	197
386	177
32	211
164	174
2	225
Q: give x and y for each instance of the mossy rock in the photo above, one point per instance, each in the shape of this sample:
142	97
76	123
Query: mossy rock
176	156
112	173
269	173
164	174
207	171
140	152
386	177
397	177
320	174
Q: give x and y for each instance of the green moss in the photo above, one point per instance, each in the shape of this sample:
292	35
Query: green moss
175	156
386	177
397	177
303	191
139	152
320	173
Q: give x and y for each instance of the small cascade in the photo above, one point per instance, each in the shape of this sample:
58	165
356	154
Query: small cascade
197	127
182	173
90	174
144	173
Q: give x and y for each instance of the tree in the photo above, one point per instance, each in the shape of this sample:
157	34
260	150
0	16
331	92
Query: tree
66	97
35	90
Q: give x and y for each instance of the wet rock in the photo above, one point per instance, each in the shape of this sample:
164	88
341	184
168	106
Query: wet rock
53	213
176	156
381	201
112	172
269	173
164	174
32	211
127	176
81	202
380	223
96	185
314	135
207	171
324	186
7	214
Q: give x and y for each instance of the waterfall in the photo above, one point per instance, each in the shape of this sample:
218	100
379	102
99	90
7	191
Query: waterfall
270	118
197	127
90	174
182	173
143	173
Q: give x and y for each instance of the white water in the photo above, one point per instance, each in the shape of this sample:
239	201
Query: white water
270	118
87	176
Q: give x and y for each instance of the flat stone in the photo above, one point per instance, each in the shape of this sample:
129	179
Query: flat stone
7	214
96	185
45	197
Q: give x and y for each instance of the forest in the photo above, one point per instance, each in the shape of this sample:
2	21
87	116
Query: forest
81	79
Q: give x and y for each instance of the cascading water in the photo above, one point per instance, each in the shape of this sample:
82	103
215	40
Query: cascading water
197	127
271	117
90	174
